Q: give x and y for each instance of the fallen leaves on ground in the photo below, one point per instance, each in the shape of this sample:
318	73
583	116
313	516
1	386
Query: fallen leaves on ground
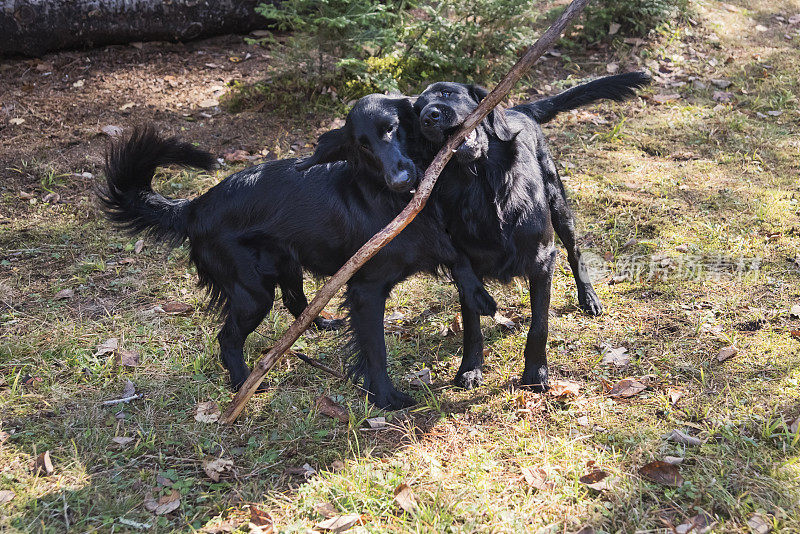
758	525
107	347
123	440
175	307
726	353
627	387
674	395
405	499
126	358
129	390
43	464
327	406
617	356
6	496
662	473
419	378
165	504
236	155
536	477
64	294
326	510
260	521
217	468
339	523
457	326
665	99
138	246
508	323
595	480
376	423
111	130
207	412
699	524
681	437
564	388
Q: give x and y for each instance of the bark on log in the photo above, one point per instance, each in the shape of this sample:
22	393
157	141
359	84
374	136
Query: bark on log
34	27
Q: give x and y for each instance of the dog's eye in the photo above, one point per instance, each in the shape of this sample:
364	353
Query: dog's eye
446	94
390	129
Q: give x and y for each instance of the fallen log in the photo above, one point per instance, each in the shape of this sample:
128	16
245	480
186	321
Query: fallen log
379	240
34	27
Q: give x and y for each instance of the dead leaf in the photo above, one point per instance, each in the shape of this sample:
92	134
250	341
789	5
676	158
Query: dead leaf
564	388
129	390
16	121
419	378
126	358
235	156
505	322
326	509
138	246
326	406
664	99
699	524
721	83
794	19
794	311
4	436
682	248
722	96
107	347
111	130
758	525
377	422
43	464
673	460
64	294
684	439
126	106
123	440
208	103
595	480
24	195
618	356
52	198
216	468
726	353
627	387
662	473
339	523
6	496
176	308
612	68
674	395
793	428
457	326
795	334
536	477
161	480
613	28
261	520
207	412
164	505
405	499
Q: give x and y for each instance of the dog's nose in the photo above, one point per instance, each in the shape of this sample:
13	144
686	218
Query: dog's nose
430	117
400	181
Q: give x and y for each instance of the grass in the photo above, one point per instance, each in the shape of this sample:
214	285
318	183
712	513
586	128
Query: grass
715	177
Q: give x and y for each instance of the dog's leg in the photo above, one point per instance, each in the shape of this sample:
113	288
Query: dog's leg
471	291
294	298
367	303
470	374
564	225
535	374
245	311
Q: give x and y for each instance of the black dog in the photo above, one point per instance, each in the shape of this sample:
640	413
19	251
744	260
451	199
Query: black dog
501	198
262	226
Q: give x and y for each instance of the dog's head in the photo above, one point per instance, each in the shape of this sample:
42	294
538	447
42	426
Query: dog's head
442	108
376	140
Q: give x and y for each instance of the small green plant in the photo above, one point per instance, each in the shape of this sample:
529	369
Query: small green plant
635	17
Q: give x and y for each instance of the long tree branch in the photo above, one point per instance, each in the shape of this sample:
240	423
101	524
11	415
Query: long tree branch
379	240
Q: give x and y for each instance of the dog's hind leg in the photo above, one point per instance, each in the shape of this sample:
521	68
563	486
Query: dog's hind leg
367	303
535	374
245	310
564	225
290	278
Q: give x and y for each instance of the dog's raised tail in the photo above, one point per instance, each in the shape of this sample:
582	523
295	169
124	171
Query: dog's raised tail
128	199
618	87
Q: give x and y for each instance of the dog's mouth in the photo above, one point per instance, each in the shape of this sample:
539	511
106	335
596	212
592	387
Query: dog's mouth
470	142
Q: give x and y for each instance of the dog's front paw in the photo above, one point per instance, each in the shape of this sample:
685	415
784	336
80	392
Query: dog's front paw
392	399
238	381
469	379
589	301
536	378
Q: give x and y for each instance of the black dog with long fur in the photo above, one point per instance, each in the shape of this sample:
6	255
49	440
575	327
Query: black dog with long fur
262	226
502	197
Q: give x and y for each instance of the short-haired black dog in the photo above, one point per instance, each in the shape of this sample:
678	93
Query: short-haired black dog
502	197
262	226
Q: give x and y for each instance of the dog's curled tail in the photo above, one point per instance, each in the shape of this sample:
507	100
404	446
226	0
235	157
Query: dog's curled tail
128	199
618	87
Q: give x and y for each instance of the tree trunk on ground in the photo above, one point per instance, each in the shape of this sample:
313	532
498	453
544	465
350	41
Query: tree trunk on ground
33	27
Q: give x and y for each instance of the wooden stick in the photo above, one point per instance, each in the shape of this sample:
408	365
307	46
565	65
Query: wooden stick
379	240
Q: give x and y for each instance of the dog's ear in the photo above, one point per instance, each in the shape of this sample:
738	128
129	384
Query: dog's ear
331	146
496	118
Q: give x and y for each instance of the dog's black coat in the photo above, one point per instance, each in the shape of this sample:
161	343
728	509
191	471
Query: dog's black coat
264	225
501	198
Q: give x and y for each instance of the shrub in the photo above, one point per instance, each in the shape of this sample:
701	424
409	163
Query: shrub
635	17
